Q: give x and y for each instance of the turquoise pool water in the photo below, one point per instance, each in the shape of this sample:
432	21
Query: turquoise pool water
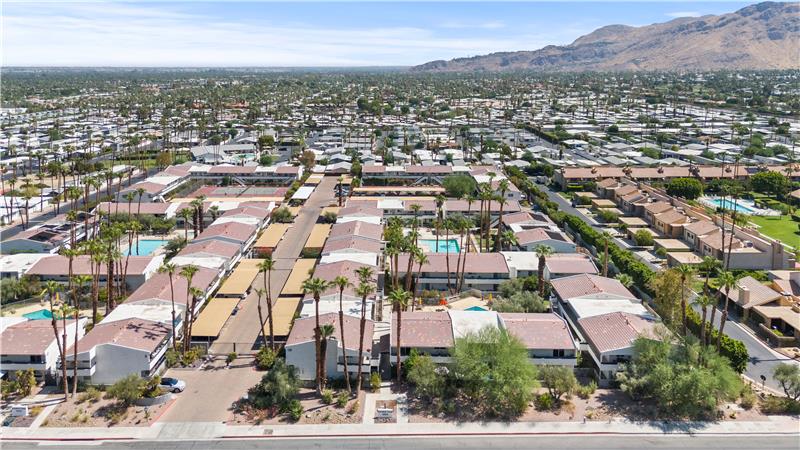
41	314
146	247
450	245
729	205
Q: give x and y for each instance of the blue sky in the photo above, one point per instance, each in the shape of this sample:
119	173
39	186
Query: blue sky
259	33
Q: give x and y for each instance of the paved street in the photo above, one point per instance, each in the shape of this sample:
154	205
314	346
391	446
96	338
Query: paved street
49	212
243	327
763	360
586	442
211	391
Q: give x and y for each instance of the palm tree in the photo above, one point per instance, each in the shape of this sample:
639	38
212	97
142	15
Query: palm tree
79	282
315	287
325	333
64	311
625	279
686	273
364	290
51	289
342	282
542	251
703	301
508	239
188	272
170	269
185	214
727	281
421	259
503	189
265	267
195	293
260	295
399	299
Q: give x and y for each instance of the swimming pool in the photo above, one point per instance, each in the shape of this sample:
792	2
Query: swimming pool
740	206
449	245
146	247
41	314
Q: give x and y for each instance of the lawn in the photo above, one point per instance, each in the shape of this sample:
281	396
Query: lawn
782	228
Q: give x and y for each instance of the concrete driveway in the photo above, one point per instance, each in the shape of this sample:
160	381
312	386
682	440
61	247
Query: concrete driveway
210	391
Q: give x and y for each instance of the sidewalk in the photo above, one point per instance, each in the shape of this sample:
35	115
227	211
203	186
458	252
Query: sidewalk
217	430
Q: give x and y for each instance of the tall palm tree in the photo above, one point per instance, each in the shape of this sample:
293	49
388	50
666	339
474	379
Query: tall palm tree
508	240
421	259
365	289
686	273
325	333
315	287
185	214
79	284
195	293
342	282
503	189
188	273
703	301
542	252
399	299
51	289
260	295
265	267
727	281
170	270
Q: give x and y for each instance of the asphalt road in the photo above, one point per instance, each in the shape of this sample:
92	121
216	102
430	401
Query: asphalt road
762	361
593	442
243	327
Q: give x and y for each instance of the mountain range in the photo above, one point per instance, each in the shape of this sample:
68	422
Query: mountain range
760	36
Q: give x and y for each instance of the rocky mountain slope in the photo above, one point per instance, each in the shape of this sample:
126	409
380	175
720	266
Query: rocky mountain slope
760	36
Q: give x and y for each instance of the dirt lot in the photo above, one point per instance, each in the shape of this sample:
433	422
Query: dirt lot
314	412
103	413
603	405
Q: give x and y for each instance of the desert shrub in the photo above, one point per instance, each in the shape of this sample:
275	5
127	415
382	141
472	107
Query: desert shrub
779	405
353	409
543	402
127	390
91	395
748	398
586	391
265	358
231	357
341	399
327	396
375	382
295	410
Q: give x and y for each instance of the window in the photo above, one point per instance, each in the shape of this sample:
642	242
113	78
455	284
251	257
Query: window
37	359
558	353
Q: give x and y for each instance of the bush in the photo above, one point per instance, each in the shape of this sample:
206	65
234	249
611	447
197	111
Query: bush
91	395
282	215
327	396
152	388
342	399
586	391
26	380
688	188
748	398
265	358
643	238
543	402
375	382
231	357
353	409
127	390
779	405
295	410
277	387
607	216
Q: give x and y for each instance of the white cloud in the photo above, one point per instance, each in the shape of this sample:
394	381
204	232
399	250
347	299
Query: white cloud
677	14
115	34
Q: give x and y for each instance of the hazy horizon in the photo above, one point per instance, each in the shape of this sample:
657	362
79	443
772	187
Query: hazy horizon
304	35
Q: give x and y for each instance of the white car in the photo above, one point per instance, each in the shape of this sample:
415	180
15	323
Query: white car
173	384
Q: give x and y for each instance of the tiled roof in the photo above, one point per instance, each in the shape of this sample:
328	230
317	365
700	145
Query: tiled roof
585	284
616	330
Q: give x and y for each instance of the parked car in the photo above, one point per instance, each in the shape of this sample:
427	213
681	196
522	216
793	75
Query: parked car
173	384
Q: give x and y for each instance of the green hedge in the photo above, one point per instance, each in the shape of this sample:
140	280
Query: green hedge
624	260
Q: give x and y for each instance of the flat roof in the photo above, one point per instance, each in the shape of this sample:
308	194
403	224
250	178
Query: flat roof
299	274
673	244
241	278
272	235
319	234
213	317
303	193
283	313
